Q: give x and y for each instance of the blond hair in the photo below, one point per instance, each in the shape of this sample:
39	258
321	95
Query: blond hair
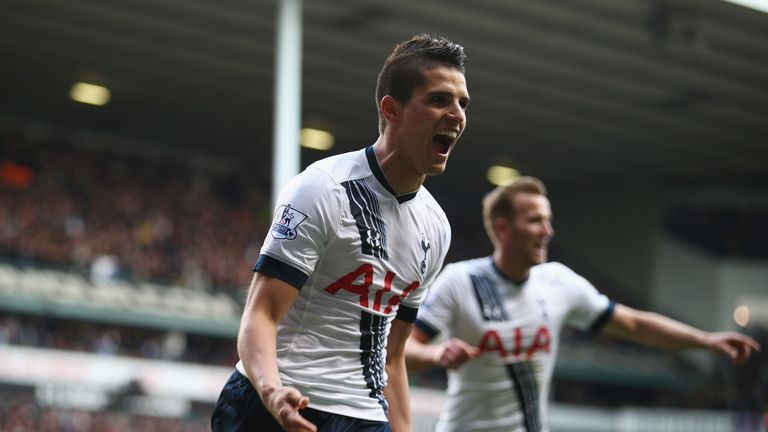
500	202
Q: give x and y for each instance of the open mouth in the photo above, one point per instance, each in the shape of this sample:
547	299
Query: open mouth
443	140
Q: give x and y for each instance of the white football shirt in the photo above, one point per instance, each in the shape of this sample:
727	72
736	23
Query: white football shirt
517	326
361	256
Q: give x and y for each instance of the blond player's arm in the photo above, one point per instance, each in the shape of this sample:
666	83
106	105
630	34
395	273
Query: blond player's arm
420	353
662	332
268	300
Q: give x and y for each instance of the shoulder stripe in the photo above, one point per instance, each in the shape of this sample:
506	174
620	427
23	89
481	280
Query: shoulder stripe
489	298
365	209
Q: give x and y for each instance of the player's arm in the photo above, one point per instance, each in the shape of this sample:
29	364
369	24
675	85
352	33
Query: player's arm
268	300
420	353
396	390
662	332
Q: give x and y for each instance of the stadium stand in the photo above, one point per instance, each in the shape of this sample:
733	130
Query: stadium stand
154	220
131	265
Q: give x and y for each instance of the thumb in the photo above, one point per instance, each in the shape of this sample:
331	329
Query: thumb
730	351
297	400
303	402
474	352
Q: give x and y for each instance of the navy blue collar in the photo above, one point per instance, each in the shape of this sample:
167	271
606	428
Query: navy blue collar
505	277
370	153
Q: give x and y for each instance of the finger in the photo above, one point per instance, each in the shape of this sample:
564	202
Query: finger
745	352
746	340
740	354
733	354
295	398
291	420
455	362
464	348
303	402
753	343
297	423
474	352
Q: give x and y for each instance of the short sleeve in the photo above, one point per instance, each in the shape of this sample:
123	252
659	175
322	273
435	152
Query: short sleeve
307	212
437	312
588	305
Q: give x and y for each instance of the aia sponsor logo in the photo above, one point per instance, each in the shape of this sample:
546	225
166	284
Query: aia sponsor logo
492	342
359	282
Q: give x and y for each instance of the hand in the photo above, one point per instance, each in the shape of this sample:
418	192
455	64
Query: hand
454	352
284	404
737	346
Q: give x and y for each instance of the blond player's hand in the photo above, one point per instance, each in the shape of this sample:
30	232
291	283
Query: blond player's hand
284	404
455	352
737	346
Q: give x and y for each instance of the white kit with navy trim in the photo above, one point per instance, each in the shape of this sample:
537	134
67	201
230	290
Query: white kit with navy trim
517	326
361	256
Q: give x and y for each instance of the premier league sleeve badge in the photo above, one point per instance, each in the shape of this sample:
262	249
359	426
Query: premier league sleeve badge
287	219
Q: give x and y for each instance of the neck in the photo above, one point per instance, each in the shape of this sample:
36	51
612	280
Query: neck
398	173
511	268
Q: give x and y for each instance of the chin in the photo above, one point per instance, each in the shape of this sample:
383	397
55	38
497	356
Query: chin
435	170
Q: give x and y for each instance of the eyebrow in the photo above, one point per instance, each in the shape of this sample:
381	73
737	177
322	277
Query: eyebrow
448	93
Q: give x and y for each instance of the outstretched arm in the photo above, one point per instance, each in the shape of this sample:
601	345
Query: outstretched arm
656	330
419	353
268	300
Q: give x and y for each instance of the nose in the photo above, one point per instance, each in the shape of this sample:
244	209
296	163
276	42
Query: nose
549	230
457	113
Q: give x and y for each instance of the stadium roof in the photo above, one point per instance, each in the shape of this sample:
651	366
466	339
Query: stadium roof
568	90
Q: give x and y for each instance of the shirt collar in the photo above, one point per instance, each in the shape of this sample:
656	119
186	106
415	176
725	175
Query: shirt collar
373	163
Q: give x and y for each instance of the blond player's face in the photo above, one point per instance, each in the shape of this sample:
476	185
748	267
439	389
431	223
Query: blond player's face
531	229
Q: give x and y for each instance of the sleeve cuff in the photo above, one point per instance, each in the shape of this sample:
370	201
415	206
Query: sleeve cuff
430	331
603	319
280	270
407	314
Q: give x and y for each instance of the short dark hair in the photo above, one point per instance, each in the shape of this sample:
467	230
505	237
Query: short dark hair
403	70
500	202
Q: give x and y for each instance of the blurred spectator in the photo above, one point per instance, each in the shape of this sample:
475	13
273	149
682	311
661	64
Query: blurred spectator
104	268
108	339
21	414
108	342
118	215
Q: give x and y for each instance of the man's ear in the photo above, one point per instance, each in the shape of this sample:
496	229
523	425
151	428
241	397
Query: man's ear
390	109
501	227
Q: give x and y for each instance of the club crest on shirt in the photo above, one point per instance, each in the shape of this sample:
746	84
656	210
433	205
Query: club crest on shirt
425	246
287	219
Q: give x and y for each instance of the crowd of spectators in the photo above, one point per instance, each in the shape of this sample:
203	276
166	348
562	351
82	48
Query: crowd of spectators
22	413
110	339
128	215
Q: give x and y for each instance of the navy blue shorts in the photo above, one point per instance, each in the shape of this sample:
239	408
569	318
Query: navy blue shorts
239	409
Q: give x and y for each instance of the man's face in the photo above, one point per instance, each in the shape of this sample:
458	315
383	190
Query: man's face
530	230
433	119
